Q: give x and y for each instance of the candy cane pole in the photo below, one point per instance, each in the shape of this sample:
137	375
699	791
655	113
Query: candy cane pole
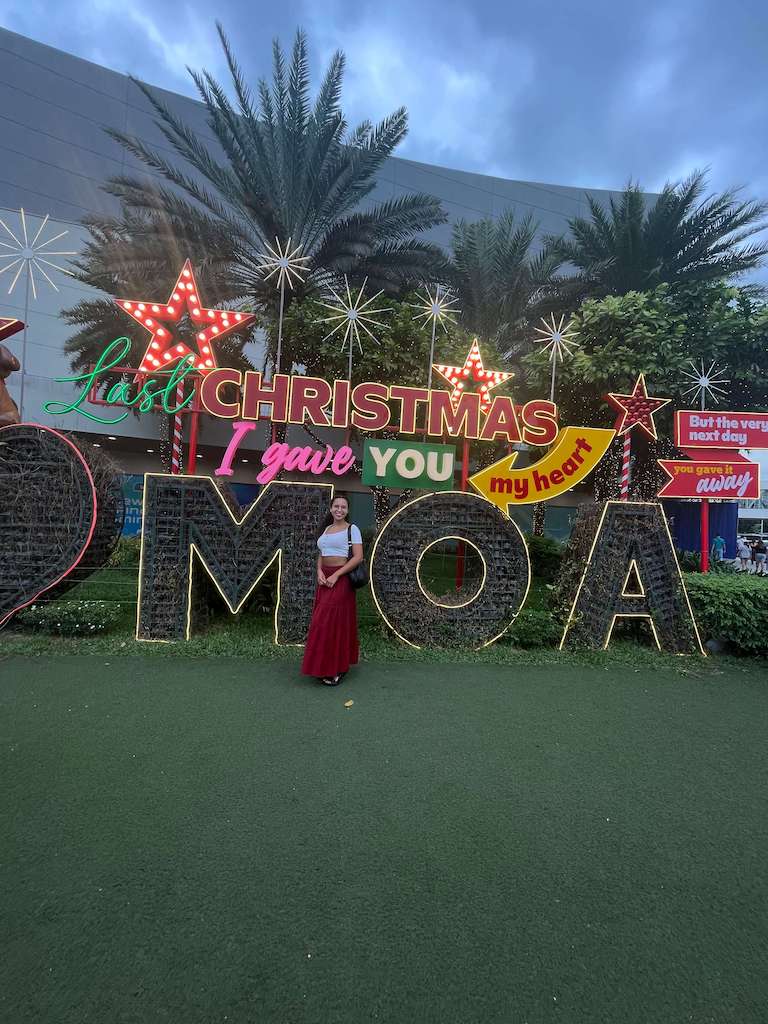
624	492
177	431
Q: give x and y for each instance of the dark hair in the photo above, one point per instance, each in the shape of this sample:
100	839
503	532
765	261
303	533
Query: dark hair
328	518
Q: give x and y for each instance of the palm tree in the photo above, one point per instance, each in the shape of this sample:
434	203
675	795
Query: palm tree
682	236
284	170
497	279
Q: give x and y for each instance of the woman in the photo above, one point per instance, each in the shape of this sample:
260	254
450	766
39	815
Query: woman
760	551
332	639
744	552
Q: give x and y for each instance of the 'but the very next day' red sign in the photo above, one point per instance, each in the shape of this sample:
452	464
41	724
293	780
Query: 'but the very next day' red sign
721	429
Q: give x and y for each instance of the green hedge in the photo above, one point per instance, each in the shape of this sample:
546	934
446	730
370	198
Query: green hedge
535	627
732	608
71	618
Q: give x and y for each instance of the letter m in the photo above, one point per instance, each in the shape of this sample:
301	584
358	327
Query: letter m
501	484
192	523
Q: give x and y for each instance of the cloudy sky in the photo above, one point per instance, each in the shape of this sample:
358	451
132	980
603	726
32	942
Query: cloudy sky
582	94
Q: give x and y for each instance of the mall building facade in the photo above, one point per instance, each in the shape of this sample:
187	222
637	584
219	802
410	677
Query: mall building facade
54	159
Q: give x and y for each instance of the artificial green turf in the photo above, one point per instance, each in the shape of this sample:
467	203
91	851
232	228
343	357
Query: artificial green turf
221	841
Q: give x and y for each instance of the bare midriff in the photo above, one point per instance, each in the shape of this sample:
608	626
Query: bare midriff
334	561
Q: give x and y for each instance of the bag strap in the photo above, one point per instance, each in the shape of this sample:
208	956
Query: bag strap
349	541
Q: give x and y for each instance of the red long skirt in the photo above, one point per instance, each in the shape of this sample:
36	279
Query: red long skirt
332	639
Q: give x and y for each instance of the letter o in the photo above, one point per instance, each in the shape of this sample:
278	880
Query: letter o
416	467
409	611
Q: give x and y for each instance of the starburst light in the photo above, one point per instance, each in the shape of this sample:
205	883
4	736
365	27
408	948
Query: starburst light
289	266
353	314
440	308
30	255
559	340
705	384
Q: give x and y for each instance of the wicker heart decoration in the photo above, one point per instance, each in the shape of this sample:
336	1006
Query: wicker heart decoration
47	512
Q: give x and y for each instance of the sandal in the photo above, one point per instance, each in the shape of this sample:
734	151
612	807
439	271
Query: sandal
331	681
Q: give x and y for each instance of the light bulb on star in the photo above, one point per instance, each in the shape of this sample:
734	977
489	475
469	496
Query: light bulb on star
473	372
559	340
706	384
440	308
285	262
164	348
30	254
352	314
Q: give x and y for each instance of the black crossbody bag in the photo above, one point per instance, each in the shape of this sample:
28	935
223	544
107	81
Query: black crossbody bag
358	577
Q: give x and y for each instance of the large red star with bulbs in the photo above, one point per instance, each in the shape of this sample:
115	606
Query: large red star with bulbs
473	372
164	348
637	409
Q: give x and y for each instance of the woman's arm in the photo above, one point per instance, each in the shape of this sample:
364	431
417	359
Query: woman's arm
320	574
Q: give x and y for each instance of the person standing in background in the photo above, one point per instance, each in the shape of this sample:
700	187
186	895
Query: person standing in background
760	551
744	553
718	548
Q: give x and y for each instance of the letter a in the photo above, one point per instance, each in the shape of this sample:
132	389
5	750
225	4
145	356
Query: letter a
632	535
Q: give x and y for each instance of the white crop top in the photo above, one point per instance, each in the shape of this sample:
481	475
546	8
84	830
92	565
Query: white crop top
335	545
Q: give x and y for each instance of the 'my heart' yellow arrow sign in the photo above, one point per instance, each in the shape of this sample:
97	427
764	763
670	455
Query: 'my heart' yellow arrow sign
576	453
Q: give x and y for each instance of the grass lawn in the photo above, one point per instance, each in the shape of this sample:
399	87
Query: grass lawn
196	841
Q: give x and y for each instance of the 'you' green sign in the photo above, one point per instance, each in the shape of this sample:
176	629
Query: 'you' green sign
408	464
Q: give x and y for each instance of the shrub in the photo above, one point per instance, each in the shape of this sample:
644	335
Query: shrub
535	628
71	618
690	561
126	553
731	607
546	556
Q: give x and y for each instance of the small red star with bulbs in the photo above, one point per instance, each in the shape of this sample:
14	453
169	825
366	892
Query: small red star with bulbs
164	349
474	372
637	409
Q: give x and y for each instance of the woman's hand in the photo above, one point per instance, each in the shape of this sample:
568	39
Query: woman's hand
321	578
332	580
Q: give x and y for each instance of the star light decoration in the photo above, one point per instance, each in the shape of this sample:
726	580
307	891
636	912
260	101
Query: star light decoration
559	340
440	308
637	409
285	262
352	314
473	372
705	384
165	348
30	255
